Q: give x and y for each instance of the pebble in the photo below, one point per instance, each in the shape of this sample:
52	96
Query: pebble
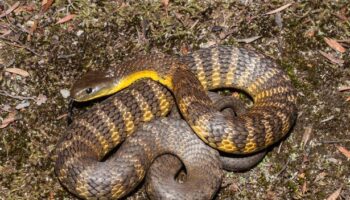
65	93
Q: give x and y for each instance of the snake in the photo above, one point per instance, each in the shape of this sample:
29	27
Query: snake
189	77
92	137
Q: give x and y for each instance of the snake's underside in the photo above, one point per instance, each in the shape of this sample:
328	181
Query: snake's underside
93	135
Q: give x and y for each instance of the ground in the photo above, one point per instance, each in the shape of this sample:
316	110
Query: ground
307	39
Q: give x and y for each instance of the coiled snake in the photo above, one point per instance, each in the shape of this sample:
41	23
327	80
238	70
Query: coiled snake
270	118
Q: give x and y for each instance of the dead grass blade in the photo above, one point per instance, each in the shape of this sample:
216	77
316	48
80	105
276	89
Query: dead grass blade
249	40
279	9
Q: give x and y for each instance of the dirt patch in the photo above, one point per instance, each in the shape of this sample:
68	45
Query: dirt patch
103	33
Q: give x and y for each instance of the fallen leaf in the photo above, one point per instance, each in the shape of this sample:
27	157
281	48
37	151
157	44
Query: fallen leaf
8	11
41	99
343	88
344	151
306	136
65	19
279	9
332	58
45	5
335	194
334	44
11	117
18	71
249	40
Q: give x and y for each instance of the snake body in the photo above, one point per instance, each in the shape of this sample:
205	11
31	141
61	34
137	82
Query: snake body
269	120
96	133
87	173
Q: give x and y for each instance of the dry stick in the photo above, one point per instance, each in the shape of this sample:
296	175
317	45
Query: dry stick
283	168
4	93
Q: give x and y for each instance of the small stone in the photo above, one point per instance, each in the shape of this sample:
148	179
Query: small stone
79	33
65	93
334	161
24	104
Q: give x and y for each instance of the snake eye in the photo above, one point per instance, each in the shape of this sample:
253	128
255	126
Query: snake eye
88	90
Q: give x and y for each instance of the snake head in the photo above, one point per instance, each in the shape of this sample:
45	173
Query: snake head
94	84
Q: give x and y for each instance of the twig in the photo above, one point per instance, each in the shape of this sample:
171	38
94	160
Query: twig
283	168
4	93
18	44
